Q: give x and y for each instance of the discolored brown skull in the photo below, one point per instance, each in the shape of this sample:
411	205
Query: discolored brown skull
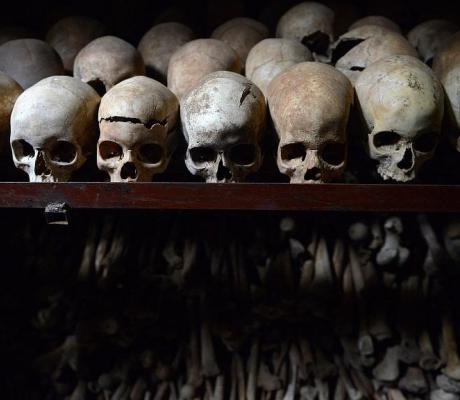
9	92
270	57
69	35
197	58
428	36
310	105
28	61
158	45
310	23
54	128
401	103
362	46
223	119
106	61
241	34
137	120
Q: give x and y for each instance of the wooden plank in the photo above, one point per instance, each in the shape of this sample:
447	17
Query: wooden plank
200	196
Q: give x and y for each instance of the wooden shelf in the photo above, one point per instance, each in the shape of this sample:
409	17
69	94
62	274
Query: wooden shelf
258	196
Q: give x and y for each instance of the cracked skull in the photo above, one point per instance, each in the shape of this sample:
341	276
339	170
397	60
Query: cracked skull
310	23
137	120
223	119
54	128
310	105
401	103
106	61
364	45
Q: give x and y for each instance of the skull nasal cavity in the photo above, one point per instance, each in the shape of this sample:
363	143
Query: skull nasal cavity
128	171
407	161
223	172
40	165
313	174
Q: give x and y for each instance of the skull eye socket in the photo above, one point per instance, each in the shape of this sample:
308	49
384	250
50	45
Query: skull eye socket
334	153
201	155
150	153
386	138
22	149
293	151
426	142
109	150
242	154
63	152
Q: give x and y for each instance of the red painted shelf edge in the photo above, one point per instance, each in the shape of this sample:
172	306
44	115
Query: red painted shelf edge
244	196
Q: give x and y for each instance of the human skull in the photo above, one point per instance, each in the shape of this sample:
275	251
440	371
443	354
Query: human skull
158	45
9	92
270	57
28	61
54	128
196	59
378	20
446	66
106	61
69	35
362	46
401	104
137	121
223	119
310	23
241	34
428	36
310	104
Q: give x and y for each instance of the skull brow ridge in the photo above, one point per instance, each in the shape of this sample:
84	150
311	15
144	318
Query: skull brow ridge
147	124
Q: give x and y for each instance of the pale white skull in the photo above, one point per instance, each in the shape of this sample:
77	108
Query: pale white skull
446	66
196	59
362	46
241	34
379	20
223	119
158	45
310	105
270	57
70	34
428	36
9	92
137	121
401	103
106	61
54	128
28	61
310	23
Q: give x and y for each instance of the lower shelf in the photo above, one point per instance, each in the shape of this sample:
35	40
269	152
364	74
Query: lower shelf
201	196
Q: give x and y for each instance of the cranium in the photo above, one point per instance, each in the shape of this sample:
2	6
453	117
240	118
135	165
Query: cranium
378	20
137	120
158	45
446	66
28	61
54	128
428	36
223	119
311	24
362	46
69	35
9	92
271	56
241	34
196	59
401	103
106	61
310	105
